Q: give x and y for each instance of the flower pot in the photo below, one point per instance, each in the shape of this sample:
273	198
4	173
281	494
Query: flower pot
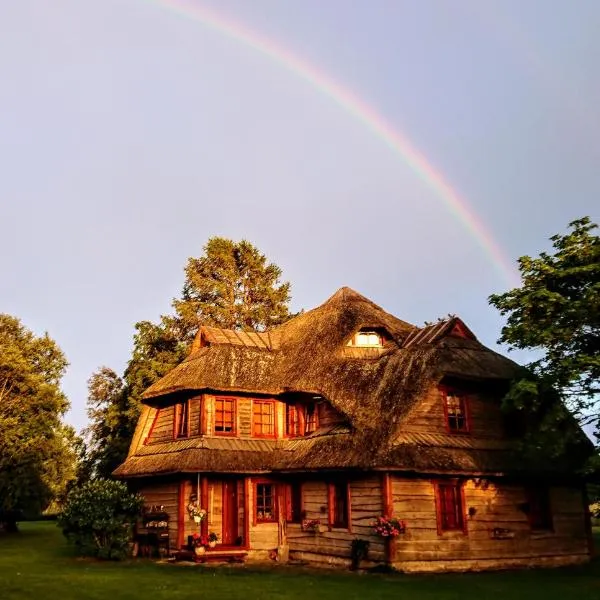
199	550
197	518
212	544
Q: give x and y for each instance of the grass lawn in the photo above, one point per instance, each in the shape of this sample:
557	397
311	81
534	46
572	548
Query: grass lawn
37	563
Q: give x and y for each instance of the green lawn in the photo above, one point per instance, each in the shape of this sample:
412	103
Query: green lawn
38	564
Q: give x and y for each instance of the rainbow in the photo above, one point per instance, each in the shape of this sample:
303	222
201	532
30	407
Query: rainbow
362	112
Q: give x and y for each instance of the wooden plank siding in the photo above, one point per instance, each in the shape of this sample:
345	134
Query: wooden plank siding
493	505
164	494
333	545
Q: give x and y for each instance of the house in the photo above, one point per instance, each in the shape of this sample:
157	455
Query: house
296	439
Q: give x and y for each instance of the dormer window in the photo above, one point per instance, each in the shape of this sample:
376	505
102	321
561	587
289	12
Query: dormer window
366	339
455	410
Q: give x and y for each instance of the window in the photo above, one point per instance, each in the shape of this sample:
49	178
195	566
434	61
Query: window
366	339
540	515
294	502
292	420
265	503
450	507
338	505
263	418
312	419
225	416
455	410
182	420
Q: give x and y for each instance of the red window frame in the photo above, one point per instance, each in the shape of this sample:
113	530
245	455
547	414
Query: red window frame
457	422
181	421
540	510
450	506
228	417
339	505
263	418
295	419
311	418
265	501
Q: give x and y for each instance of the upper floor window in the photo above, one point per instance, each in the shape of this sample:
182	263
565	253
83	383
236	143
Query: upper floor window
339	505
366	339
450	507
265	503
455	411
225	416
540	515
182	420
293	425
311	419
263	418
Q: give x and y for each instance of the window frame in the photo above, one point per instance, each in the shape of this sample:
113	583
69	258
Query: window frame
273	408
332	505
275	516
459	510
233	431
294	494
538	497
298	410
445	392
181	419
314	420
352	343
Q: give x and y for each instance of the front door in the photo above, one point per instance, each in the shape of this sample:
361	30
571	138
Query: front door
230	513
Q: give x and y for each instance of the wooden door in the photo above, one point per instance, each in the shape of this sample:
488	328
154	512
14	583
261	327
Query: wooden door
230	513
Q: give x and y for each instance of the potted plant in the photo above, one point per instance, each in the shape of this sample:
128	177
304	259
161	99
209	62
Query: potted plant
196	512
213	538
199	542
389	527
312	525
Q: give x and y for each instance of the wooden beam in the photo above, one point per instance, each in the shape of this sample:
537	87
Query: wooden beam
181	515
204	503
388	500
247	512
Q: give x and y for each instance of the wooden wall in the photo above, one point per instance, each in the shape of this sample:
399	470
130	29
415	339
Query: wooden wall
263	536
333	546
485	416
165	494
496	505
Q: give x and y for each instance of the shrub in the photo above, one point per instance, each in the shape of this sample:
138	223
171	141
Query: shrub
98	518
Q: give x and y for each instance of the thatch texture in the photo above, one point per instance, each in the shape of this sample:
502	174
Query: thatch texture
373	391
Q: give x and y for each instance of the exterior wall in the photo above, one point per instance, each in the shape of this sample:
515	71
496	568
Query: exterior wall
496	505
332	546
485	416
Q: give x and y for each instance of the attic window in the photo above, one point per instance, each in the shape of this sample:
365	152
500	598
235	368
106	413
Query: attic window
366	339
455	411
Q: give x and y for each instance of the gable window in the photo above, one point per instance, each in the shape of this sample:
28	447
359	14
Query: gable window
182	420
265	503
450	507
225	416
263	418
311	419
540	514
366	339
294	502
293	420
339	505
455	411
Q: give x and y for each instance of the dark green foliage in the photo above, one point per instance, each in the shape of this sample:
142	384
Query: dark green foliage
98	518
556	312
36	455
231	285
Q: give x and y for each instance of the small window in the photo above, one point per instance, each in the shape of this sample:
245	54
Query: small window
450	507
294	418
540	514
265	503
263	418
312	419
225	416
338	507
182	420
455	410
294	502
366	339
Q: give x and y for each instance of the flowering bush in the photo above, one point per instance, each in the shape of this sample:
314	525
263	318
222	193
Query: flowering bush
389	526
311	525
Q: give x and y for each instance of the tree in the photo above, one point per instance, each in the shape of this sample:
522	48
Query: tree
556	312
36	457
231	285
98	518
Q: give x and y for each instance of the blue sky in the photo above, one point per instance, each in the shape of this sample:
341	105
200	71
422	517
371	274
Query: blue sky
131	134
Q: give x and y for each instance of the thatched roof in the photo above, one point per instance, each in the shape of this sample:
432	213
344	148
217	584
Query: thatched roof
373	391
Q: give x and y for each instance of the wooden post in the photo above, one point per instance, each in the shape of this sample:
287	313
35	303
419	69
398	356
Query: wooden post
388	511
204	503
247	512
181	515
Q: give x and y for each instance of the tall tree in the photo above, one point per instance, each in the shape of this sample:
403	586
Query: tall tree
231	285
36	458
556	312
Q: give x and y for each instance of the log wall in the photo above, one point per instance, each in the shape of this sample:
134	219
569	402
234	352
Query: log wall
495	505
164	494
